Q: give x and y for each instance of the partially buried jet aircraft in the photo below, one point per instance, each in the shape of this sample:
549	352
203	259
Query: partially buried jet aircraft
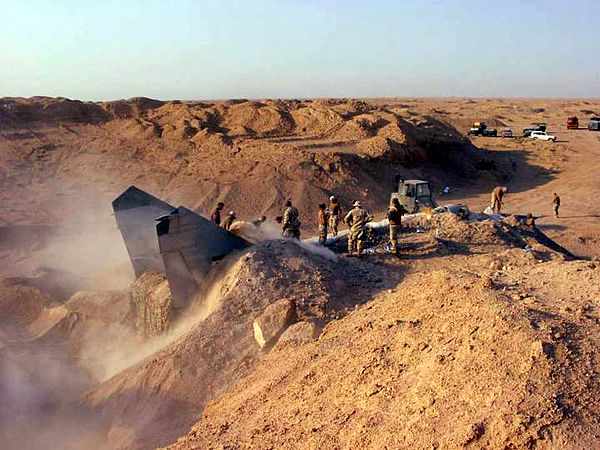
174	241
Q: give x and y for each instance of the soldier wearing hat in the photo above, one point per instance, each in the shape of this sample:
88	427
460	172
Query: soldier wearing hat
356	219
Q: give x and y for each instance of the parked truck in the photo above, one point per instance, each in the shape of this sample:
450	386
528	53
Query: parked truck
594	124
535	127
572	123
481	129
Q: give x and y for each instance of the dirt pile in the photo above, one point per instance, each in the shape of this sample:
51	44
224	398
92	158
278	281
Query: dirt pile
252	155
158	399
449	360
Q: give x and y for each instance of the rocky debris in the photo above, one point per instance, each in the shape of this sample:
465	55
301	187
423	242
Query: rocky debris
20	307
299	333
274	320
395	372
203	355
152	303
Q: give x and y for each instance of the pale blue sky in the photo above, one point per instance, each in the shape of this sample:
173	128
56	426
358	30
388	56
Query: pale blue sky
183	49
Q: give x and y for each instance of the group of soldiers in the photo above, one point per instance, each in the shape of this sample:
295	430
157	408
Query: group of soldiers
328	218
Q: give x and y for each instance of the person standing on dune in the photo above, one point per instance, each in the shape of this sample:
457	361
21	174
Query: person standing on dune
216	214
335	213
323	219
291	223
229	220
357	219
497	197
555	204
394	216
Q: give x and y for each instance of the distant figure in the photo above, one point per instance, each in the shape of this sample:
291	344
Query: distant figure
258	222
497	197
323	220
394	216
335	213
529	222
356	219
229	220
556	204
216	214
291	224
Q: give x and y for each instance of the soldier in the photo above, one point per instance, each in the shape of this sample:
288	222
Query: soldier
335	212
323	219
497	196
529	222
216	214
291	224
556	204
394	216
229	220
356	219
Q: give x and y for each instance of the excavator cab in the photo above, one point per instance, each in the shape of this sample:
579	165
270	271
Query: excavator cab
414	195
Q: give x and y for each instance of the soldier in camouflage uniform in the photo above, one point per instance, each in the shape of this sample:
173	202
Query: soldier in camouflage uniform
356	219
291	224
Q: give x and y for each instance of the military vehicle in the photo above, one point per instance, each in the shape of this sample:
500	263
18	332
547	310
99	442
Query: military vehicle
176	242
481	129
535	127
594	124
414	195
572	123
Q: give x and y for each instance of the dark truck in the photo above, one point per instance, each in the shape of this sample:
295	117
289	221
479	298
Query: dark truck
572	123
481	129
594	124
535	127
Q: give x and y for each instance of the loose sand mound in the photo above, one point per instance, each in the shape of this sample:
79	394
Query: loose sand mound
158	399
450	360
251	155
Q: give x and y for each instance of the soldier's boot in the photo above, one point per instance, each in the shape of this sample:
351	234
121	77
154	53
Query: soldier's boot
359	247
350	246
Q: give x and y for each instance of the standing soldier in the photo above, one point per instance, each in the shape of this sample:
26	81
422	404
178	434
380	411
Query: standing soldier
356	219
335	213
291	224
323	219
229	220
497	196
556	204
216	214
394	216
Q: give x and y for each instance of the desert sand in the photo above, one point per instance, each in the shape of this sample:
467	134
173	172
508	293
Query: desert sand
479	335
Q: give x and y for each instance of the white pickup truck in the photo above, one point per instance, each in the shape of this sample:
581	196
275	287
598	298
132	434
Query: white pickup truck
542	135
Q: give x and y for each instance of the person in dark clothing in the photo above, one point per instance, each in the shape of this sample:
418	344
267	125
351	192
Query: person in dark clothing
323	219
335	213
291	223
555	204
394	216
258	222
216	214
529	222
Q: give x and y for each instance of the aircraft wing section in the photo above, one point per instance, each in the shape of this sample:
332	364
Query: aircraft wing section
136	212
189	243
